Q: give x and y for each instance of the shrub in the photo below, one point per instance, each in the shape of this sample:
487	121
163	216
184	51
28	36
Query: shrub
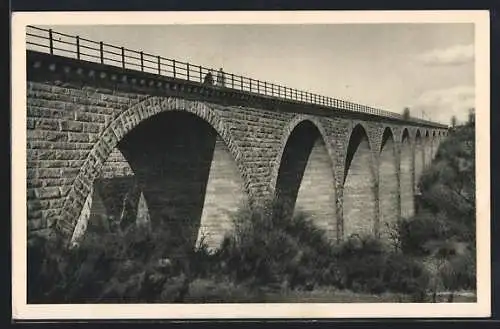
269	248
405	275
459	272
367	265
130	265
413	234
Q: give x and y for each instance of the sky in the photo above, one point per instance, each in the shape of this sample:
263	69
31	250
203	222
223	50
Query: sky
426	67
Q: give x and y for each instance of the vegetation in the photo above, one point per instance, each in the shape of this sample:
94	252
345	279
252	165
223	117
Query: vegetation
442	235
269	257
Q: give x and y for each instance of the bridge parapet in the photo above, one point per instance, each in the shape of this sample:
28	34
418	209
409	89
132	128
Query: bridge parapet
192	76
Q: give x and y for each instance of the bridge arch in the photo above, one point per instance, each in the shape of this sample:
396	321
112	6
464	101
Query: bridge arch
132	132
360	211
304	176
388	182
428	148
406	175
419	157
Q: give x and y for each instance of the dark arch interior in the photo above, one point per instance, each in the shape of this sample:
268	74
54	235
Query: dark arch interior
418	135
170	157
406	135
388	184
359	203
385	137
358	136
293	163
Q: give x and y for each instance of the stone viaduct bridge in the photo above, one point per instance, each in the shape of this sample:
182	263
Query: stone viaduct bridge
106	140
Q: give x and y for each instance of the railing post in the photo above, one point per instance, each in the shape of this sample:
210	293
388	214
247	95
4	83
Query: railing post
187	71
201	74
250	84
241	81
123	57
101	50
265	88
77	47
159	66
142	61
51	42
258	90
272	89
173	67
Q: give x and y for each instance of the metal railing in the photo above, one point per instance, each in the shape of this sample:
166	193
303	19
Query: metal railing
56	43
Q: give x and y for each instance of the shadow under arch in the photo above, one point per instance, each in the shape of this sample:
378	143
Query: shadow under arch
305	179
389	193
133	132
359	202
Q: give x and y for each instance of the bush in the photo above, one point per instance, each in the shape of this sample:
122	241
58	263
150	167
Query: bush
405	275
130	265
459	272
414	233
268	248
367	265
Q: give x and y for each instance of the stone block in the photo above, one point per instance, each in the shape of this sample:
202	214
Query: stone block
47	193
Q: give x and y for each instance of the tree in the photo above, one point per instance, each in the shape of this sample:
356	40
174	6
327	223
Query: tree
448	186
453	121
406	113
472	115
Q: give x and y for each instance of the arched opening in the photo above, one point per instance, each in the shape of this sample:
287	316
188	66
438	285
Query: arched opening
305	178
359	206
428	149
223	197
406	176
419	157
115	197
435	144
168	171
388	183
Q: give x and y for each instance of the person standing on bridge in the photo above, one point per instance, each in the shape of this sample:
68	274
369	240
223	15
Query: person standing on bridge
209	78
220	78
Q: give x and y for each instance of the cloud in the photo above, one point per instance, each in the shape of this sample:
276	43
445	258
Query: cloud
441	105
455	55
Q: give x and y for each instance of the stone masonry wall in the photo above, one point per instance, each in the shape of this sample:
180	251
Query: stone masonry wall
73	131
63	124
